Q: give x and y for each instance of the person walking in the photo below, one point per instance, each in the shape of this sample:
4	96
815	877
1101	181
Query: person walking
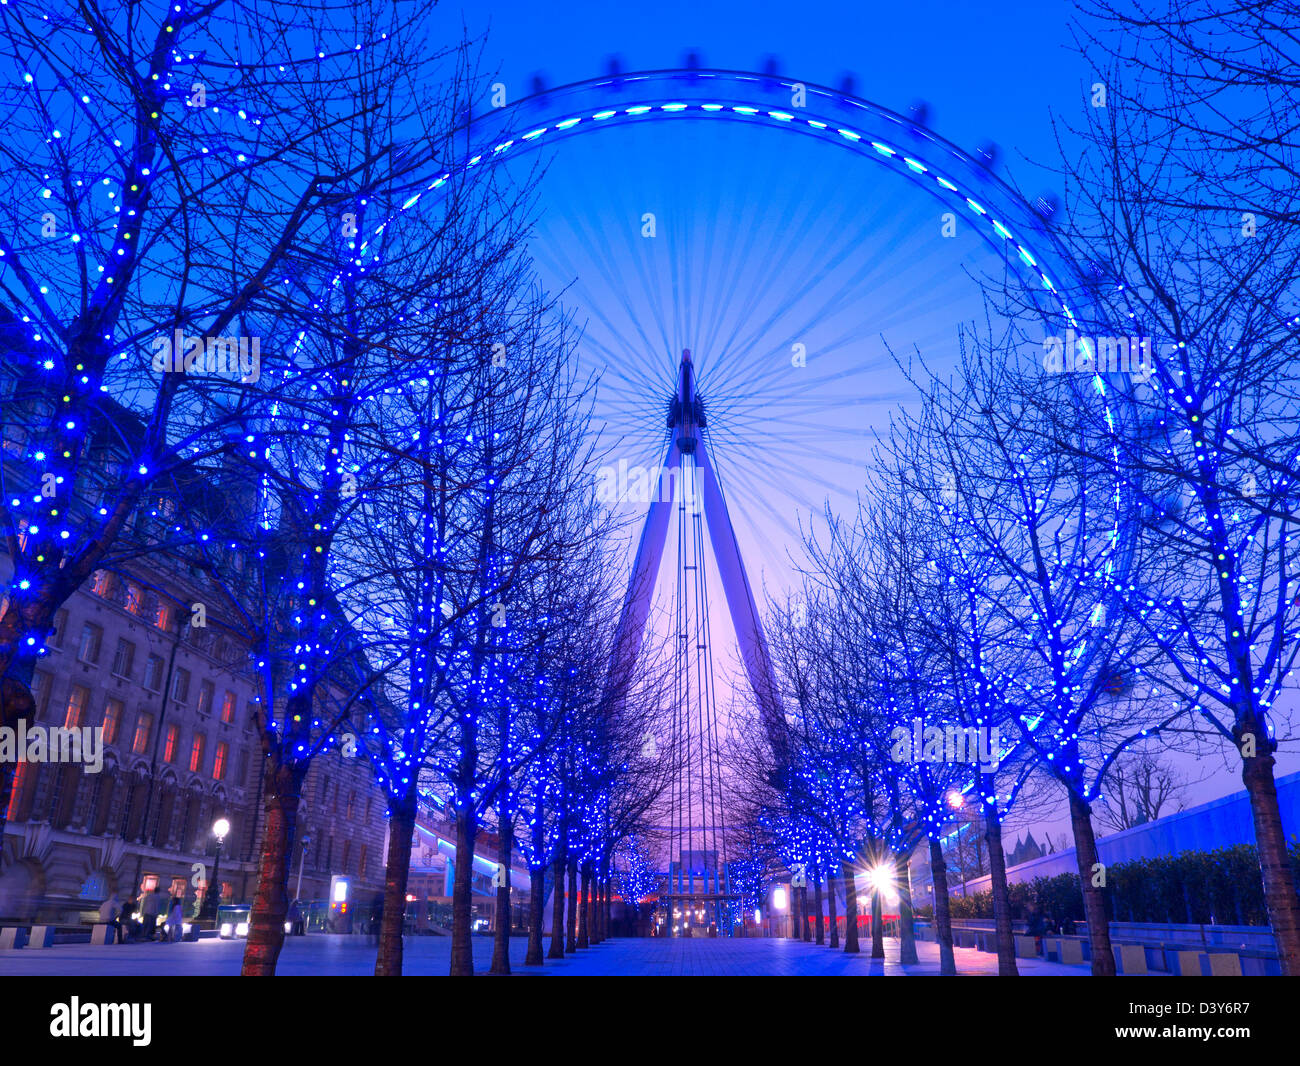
149	912
176	918
295	919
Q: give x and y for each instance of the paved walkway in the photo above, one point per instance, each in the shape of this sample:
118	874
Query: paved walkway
427	955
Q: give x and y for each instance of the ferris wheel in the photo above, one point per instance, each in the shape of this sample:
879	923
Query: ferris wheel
749	255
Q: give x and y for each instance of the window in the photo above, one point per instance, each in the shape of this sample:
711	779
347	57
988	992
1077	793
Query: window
347	850
324	789
153	674
228	707
143	730
102	583
15	439
77	703
124	660
219	761
206	693
352	802
196	754
20	799
171	743
361	862
91	637
241	772
112	720
163	617
59	632
40	692
181	686
134	599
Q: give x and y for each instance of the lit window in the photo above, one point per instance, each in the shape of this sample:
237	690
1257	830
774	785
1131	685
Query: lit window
171	743
196	754
228	707
102	583
77	702
143	730
163	617
112	720
135	599
219	760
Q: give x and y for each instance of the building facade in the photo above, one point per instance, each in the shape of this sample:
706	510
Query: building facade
178	705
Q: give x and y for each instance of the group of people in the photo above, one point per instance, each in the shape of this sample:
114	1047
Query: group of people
144	918
1040	925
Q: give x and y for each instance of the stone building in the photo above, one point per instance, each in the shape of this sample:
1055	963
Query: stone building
176	695
178	707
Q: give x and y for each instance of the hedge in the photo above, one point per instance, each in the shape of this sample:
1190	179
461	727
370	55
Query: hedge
1222	887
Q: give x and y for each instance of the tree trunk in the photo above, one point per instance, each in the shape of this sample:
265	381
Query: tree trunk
462	901
557	911
906	933
536	914
271	900
501	934
807	915
821	921
1001	897
942	910
877	924
1270	840
571	940
794	913
835	922
584	909
401	827
1094	906
609	909
850	911
597	910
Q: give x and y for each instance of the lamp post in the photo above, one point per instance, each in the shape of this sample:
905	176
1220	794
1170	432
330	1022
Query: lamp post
302	861
212	894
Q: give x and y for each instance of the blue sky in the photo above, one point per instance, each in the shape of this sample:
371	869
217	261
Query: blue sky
987	74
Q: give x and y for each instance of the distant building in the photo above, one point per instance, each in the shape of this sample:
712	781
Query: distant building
175	694
1024	850
178	707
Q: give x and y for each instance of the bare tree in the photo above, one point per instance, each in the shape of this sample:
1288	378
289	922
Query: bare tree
1141	788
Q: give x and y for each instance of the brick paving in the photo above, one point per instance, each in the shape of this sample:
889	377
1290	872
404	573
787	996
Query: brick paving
426	955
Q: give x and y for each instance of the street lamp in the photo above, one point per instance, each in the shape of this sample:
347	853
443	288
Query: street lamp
212	894
306	839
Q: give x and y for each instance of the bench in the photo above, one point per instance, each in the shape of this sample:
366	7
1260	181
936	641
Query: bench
1026	947
42	936
1130	958
1224	964
102	933
1067	950
12	937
